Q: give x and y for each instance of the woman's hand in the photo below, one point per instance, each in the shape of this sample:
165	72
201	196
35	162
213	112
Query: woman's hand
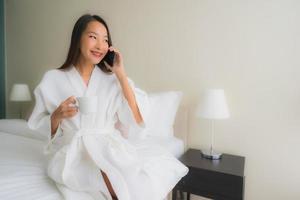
64	110
118	67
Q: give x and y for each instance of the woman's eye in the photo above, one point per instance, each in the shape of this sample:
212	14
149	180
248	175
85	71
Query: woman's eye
94	37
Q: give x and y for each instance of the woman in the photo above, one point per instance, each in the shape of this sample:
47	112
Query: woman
89	158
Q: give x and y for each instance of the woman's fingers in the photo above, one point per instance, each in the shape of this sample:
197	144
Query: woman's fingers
69	108
69	113
117	52
66	108
111	48
69	100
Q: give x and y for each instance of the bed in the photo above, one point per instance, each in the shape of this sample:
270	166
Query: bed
23	172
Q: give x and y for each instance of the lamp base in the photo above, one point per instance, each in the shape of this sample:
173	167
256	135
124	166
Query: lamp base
211	154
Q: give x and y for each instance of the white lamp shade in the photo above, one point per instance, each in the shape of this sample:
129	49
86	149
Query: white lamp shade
20	92
213	105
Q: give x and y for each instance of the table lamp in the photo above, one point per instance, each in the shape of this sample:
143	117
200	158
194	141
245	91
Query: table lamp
212	106
20	93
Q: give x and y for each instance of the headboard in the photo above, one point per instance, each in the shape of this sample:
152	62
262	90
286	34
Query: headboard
181	125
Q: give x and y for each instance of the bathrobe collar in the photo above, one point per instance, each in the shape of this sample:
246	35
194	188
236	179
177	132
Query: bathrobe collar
78	84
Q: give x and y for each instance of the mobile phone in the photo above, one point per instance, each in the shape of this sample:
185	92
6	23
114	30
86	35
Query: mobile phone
109	57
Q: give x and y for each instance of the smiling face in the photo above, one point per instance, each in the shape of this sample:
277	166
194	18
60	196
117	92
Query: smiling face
93	43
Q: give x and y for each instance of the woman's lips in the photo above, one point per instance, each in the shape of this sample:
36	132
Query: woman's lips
97	54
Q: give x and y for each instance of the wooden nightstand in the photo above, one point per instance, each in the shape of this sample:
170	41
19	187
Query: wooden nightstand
217	179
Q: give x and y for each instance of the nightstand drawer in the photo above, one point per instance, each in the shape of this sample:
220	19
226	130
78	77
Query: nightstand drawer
209	182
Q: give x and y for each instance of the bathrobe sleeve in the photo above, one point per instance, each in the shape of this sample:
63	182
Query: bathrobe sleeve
40	117
124	111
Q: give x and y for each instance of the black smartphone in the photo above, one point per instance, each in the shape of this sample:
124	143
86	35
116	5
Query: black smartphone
109	57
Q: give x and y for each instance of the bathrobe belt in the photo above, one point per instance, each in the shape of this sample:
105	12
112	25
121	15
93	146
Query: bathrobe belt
77	133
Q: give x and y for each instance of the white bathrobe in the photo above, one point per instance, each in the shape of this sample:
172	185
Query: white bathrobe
84	144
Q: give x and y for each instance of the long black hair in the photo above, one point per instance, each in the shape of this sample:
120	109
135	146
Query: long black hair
74	49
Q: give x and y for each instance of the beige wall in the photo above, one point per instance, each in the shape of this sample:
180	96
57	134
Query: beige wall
249	48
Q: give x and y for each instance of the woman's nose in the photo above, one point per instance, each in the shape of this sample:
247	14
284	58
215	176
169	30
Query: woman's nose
100	45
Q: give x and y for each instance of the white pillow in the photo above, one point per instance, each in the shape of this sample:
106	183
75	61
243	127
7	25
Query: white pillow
161	117
19	127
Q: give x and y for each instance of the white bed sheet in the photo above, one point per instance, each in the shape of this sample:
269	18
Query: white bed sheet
23	173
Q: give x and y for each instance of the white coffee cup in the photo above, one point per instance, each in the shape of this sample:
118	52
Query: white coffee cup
87	104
